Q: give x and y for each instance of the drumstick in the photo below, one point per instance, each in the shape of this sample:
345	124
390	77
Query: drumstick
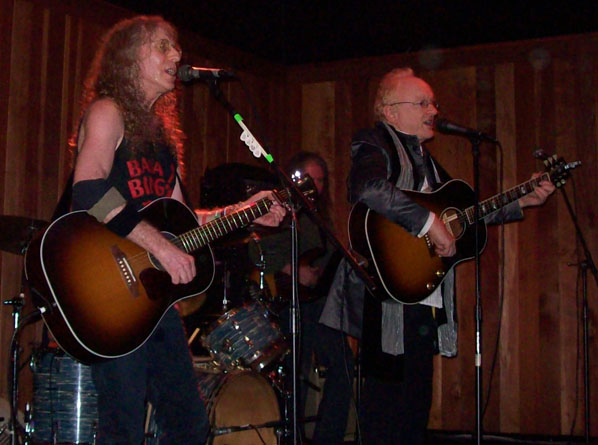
195	332
148	417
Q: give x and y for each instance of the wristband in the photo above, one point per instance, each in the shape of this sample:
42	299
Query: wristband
96	197
125	221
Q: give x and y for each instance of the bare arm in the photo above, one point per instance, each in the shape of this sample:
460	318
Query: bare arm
101	133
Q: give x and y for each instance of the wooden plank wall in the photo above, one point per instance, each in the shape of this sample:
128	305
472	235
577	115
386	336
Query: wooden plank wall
530	94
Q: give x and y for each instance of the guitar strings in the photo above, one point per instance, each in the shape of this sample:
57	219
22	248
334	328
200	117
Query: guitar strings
526	187
201	236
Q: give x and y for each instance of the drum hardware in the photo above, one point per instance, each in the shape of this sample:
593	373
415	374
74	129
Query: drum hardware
242	407
13	426
6	431
226	280
278	379
273	424
16	233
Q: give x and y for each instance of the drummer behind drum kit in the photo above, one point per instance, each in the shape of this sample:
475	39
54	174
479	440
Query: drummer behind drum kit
244	345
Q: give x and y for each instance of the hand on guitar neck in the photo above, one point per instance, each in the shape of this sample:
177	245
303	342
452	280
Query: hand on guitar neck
541	192
444	242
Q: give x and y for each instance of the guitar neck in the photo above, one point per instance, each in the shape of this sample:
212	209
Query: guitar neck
201	236
497	202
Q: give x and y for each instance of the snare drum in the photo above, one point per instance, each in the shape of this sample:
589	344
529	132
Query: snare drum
64	408
245	337
237	404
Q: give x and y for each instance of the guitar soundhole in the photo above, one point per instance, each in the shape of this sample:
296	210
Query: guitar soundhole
453	220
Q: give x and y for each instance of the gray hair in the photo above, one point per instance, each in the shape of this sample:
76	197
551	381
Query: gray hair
386	85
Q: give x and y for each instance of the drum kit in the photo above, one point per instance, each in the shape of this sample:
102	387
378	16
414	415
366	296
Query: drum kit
241	371
241	366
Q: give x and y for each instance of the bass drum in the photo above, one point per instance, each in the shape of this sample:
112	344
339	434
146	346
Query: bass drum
238	403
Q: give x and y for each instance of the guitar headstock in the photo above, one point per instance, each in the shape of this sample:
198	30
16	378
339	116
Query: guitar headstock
558	169
305	184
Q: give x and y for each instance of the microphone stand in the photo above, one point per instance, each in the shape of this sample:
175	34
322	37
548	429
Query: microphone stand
257	150
294	319
584	265
475	150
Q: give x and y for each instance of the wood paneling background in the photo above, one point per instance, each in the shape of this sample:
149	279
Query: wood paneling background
530	94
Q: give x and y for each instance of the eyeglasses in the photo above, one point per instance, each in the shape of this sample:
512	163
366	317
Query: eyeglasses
424	104
164	45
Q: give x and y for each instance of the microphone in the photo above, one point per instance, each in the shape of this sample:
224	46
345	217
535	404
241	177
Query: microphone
448	127
187	73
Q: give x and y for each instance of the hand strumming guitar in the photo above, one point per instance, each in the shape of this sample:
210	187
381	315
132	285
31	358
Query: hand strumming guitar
443	241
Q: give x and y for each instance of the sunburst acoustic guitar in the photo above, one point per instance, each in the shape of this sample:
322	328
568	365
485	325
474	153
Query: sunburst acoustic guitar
102	295
406	266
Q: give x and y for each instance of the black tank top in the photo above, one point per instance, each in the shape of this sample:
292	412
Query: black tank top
143	177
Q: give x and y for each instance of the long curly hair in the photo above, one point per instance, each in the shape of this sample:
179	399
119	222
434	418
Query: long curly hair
114	74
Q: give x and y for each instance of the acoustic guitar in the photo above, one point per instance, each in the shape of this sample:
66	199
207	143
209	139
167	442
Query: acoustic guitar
406	266
101	295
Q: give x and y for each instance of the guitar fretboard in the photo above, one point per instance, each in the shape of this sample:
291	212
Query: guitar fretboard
201	236
497	202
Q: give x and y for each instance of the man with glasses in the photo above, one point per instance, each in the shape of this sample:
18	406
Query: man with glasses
399	341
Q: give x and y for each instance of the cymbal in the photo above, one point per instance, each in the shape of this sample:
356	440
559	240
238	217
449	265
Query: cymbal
17	231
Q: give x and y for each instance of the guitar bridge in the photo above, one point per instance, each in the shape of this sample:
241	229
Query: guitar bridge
125	271
429	244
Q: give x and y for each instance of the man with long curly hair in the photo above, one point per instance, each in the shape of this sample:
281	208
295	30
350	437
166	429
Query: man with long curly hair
129	145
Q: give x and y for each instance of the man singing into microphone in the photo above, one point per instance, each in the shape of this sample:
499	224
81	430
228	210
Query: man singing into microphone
399	341
128	147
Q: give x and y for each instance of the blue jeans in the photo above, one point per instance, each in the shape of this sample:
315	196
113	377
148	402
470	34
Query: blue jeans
160	372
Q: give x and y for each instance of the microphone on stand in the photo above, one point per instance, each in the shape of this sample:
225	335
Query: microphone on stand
448	127
187	73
